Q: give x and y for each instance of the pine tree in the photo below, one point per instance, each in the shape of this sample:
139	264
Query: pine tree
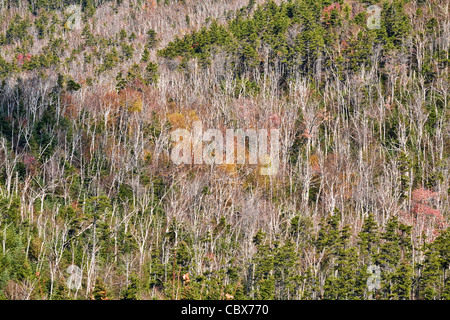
430	277
99	292
145	55
131	292
346	282
389	256
368	239
402	282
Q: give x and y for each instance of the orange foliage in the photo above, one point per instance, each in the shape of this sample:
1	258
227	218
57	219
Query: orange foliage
111	99
131	99
70	109
229	296
149	6
178	120
314	162
186	278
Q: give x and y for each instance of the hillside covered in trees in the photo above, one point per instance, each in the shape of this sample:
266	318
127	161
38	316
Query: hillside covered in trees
93	207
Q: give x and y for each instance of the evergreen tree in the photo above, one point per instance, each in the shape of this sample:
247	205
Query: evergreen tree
131	292
100	293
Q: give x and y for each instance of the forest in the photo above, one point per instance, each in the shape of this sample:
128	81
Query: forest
93	208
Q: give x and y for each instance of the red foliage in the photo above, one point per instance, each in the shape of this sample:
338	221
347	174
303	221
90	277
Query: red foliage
31	163
331	7
326	13
149	6
424	219
422	195
21	58
275	120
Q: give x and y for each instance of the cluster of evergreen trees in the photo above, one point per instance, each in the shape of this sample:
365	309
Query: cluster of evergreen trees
276	271
298	37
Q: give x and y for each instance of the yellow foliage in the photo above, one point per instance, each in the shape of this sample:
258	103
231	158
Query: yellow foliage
147	156
229	168
192	115
176	120
314	162
130	99
135	106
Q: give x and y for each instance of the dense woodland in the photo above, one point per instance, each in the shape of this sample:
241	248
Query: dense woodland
86	177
